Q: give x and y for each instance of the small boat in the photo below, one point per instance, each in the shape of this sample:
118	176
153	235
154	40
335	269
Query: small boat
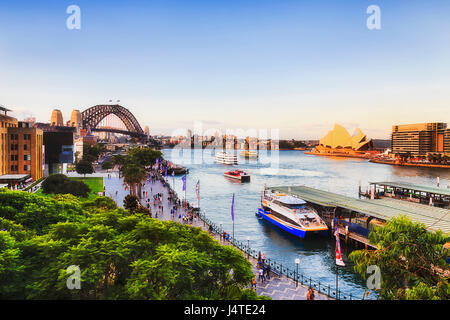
291	214
226	158
238	175
249	154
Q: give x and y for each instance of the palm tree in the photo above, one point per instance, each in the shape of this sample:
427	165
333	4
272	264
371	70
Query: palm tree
119	160
133	175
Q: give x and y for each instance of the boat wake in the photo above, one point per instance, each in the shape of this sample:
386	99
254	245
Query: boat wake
288	172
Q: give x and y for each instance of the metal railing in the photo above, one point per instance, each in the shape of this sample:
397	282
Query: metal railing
278	268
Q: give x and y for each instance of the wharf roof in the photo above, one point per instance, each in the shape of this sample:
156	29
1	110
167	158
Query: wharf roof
434	218
415	187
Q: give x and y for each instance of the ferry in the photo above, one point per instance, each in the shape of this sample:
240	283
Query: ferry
249	154
238	175
226	158
291	214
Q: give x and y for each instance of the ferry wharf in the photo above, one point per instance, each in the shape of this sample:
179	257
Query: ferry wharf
356	217
284	282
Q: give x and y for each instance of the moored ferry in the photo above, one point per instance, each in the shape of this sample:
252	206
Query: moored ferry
291	214
238	175
226	158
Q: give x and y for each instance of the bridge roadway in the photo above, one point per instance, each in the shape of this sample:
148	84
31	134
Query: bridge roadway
277	287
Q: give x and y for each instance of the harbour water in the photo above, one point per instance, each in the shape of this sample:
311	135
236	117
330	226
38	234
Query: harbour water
340	175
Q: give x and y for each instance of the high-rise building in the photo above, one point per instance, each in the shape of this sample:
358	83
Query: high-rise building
420	139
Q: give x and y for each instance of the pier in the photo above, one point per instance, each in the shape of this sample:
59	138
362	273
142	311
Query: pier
356	217
439	197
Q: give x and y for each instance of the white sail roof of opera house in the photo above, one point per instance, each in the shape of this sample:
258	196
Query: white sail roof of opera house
340	138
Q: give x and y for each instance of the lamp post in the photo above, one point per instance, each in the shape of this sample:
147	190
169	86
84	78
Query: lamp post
248	247
297	261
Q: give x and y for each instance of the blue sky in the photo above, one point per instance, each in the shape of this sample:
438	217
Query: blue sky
297	66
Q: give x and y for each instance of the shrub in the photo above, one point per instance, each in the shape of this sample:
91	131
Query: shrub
60	184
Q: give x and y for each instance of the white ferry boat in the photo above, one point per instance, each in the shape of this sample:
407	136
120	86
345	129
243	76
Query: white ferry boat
291	214
226	158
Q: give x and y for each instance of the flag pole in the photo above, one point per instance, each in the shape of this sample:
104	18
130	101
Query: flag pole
233	215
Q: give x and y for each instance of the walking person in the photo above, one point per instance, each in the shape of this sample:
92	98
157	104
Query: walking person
261	275
310	295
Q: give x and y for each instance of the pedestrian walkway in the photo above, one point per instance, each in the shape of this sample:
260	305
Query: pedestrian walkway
277	287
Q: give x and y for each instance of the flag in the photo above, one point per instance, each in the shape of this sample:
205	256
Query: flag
197	190
184	182
165	173
232	209
339	260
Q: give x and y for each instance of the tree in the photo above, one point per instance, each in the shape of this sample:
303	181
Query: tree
107	165
119	160
93	152
131	203
143	156
84	167
120	256
411	260
133	175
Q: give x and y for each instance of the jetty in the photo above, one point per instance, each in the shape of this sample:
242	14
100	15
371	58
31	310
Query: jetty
356	217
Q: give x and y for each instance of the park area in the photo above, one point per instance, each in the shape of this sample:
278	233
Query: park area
95	184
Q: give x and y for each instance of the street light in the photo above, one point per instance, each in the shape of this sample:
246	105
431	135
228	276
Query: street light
297	261
248	247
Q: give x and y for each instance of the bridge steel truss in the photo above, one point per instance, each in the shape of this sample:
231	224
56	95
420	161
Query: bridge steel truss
91	118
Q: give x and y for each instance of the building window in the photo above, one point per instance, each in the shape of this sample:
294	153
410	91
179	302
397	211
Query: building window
25	147
25	168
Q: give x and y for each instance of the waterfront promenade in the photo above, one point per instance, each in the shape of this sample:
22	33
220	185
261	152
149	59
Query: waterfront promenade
277	287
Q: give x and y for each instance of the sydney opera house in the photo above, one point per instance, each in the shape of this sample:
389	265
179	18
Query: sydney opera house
338	142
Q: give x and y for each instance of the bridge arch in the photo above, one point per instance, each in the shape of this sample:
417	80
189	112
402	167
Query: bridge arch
91	118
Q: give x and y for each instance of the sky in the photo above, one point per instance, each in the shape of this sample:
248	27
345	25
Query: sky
297	67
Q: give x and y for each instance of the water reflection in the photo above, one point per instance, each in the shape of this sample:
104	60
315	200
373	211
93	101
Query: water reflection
338	175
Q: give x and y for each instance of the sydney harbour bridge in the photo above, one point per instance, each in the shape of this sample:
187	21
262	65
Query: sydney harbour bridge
111	118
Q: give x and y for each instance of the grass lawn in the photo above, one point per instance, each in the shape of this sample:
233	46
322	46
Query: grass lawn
94	183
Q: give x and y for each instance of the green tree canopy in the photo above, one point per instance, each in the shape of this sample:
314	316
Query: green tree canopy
120	255
411	260
107	165
84	167
144	156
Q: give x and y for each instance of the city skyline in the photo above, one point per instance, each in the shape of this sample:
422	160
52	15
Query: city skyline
293	66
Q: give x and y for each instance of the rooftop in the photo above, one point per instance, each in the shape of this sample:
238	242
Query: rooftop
415	187
434	218
14	176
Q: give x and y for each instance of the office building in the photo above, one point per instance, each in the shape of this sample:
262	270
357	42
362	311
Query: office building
420	139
